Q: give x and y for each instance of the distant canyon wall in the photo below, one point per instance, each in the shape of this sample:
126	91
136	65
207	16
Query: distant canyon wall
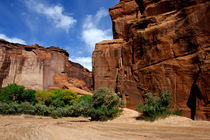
41	68
158	45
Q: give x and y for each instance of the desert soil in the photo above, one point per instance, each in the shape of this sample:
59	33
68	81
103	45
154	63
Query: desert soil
125	127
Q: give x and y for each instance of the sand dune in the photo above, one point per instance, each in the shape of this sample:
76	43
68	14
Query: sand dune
125	127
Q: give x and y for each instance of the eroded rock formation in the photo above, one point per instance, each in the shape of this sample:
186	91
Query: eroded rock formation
167	47
41	68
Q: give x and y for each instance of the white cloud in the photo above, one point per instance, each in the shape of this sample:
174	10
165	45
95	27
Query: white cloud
85	61
54	13
91	33
13	39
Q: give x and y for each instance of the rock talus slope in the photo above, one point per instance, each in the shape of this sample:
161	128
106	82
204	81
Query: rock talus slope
40	68
158	45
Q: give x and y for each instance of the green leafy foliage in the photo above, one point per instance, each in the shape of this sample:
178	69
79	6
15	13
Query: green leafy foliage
105	105
156	107
17	93
57	113
29	96
57	98
12	92
43	110
44	97
86	98
70	97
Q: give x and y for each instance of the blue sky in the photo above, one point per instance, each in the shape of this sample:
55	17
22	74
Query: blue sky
74	25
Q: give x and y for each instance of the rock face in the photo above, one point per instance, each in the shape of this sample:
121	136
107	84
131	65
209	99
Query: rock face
40	68
167	47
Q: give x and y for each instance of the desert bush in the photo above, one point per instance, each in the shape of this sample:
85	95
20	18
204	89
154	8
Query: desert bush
86	98
64	97
105	105
17	93
29	96
74	110
156	107
44	97
42	110
57	98
27	108
12	92
85	105
70	97
5	108
57	113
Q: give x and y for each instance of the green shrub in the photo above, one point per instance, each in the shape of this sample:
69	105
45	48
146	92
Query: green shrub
72	111
44	97
4	108
70	97
15	107
27	108
85	105
12	92
105	105
29	96
42	110
86	98
156	107
62	98
57	98
17	93
58	113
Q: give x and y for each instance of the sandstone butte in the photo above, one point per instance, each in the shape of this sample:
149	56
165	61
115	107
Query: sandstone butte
158	45
41	68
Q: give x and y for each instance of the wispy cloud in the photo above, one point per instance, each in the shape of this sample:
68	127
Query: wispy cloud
85	61
91	33
12	39
53	13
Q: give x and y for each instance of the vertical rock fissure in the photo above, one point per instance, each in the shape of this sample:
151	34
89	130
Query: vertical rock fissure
141	5
4	71
133	52
194	93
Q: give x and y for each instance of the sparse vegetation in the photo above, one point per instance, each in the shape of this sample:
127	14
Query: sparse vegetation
156	107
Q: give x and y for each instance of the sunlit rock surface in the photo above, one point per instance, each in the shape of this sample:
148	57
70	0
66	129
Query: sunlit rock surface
164	47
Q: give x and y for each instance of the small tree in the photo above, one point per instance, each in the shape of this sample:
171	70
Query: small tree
12	92
156	107
29	96
105	105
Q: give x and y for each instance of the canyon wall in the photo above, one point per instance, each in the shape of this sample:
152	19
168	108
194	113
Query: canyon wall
158	45
41	68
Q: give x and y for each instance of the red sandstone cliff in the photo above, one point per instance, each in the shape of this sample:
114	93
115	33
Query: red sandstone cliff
41	68
166	47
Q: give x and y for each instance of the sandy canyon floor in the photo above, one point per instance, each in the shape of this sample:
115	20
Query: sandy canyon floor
126	127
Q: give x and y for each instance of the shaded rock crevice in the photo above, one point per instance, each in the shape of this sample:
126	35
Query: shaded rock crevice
5	65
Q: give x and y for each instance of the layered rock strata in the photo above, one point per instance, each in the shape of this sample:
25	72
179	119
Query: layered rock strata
167	47
40	68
